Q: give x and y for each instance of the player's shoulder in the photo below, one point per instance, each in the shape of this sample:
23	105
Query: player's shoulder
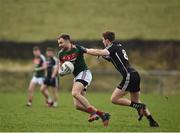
55	58
114	47
77	49
61	52
43	58
75	46
117	44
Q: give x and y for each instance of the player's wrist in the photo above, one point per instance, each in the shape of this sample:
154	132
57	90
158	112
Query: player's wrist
83	49
53	77
37	69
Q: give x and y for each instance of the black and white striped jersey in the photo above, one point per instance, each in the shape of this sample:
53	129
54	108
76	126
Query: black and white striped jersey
119	59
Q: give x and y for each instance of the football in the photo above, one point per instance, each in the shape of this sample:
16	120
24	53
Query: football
67	65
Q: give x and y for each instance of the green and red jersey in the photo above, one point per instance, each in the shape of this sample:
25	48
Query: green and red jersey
38	62
76	57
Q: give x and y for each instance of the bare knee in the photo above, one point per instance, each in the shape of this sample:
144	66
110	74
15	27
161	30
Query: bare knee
113	100
30	90
42	89
75	94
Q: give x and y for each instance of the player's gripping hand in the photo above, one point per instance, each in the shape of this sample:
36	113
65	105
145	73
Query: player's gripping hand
107	58
52	80
83	49
36	69
64	71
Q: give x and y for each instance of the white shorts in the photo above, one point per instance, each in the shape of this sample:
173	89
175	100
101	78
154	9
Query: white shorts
37	80
84	76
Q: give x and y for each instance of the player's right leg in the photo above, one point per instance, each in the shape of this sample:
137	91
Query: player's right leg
82	80
83	104
55	91
78	105
135	99
76	93
31	88
55	96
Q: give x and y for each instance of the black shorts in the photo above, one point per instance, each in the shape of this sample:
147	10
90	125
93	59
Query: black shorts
53	83
85	83
130	83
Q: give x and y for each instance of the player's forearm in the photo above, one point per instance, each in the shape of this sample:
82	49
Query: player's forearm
41	68
95	52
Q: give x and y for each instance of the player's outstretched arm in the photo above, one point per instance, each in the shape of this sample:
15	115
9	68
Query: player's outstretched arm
97	52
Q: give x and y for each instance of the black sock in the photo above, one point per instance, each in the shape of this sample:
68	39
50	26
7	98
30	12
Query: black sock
136	105
150	118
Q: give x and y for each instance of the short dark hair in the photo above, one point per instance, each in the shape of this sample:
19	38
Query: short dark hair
50	49
36	48
109	35
64	36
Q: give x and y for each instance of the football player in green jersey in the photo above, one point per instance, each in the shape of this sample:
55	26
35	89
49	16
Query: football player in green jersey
82	78
38	77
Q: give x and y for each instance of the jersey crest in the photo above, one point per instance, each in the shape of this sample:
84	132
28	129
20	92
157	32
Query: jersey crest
70	57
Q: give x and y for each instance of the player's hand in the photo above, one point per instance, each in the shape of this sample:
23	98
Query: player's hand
107	58
64	71
83	49
36	69
52	80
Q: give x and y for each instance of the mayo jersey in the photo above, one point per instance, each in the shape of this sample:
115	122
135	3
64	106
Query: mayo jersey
76	57
38	62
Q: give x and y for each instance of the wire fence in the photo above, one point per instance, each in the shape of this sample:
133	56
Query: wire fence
156	81
152	81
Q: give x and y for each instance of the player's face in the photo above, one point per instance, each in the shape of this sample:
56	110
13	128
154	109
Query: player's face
63	43
49	53
36	53
105	42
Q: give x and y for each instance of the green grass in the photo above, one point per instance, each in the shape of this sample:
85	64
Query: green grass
14	116
36	20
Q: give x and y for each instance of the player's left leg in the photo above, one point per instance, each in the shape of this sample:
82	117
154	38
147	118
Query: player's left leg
117	97
135	98
31	89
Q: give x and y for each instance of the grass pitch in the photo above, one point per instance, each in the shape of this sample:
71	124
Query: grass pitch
14	116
